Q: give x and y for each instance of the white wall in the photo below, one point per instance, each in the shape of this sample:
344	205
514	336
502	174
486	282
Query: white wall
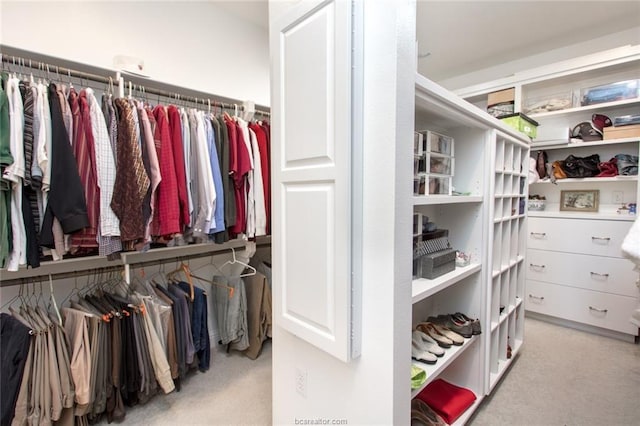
197	45
374	388
631	36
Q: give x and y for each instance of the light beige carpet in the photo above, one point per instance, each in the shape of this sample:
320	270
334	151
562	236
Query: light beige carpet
564	376
235	391
561	377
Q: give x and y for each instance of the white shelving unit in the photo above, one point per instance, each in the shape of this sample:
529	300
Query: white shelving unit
509	194
491	161
423	288
450	355
445	199
597	302
571	112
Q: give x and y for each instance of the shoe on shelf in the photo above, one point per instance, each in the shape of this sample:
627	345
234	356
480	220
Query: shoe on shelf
430	330
462	327
422	414
455	338
426	343
475	323
424	356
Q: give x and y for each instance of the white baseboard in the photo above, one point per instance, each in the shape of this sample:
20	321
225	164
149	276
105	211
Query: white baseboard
582	327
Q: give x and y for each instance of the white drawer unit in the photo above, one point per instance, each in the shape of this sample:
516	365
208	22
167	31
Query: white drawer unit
609	311
605	274
575	271
596	237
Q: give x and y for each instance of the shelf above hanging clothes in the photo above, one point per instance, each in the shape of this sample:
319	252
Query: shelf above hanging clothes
86	265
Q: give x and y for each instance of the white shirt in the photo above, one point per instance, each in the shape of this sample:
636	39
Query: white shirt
105	168
206	190
44	139
258	185
15	174
186	146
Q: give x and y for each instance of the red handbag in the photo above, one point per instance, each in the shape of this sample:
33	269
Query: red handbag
608	168
446	399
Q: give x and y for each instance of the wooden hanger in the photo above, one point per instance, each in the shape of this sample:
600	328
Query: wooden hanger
184	268
231	289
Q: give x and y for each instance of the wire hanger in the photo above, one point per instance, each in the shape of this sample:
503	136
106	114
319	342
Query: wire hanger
231	289
234	261
19	296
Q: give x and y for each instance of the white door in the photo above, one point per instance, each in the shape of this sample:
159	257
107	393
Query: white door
311	172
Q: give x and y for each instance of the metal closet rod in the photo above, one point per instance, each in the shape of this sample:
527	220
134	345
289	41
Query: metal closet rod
177	97
55	69
42	63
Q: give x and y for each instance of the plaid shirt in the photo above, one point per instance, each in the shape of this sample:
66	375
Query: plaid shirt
175	129
166	214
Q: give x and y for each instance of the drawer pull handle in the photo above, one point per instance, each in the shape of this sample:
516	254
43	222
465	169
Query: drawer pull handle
604	311
536	297
601	238
600	275
537	266
538	234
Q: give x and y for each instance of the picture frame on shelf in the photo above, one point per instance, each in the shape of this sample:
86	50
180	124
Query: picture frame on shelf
580	200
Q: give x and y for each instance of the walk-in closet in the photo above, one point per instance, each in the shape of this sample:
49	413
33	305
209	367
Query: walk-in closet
319	212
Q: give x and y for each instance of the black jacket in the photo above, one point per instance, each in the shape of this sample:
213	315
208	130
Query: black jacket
66	195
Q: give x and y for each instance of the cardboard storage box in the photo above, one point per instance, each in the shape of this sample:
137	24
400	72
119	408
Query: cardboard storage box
521	123
632	131
501	103
501	96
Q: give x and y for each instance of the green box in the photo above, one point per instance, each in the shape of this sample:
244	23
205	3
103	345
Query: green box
521	123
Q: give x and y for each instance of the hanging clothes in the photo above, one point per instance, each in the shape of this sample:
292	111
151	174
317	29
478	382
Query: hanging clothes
108	231
15	341
153	165
206	190
225	186
175	133
265	168
199	326
30	212
6	159
188	165
206	178
131	182
85	240
231	311
166	221
14	173
259	319
260	213
66	200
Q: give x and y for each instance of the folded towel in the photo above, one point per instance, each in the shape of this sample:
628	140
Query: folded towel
631	243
